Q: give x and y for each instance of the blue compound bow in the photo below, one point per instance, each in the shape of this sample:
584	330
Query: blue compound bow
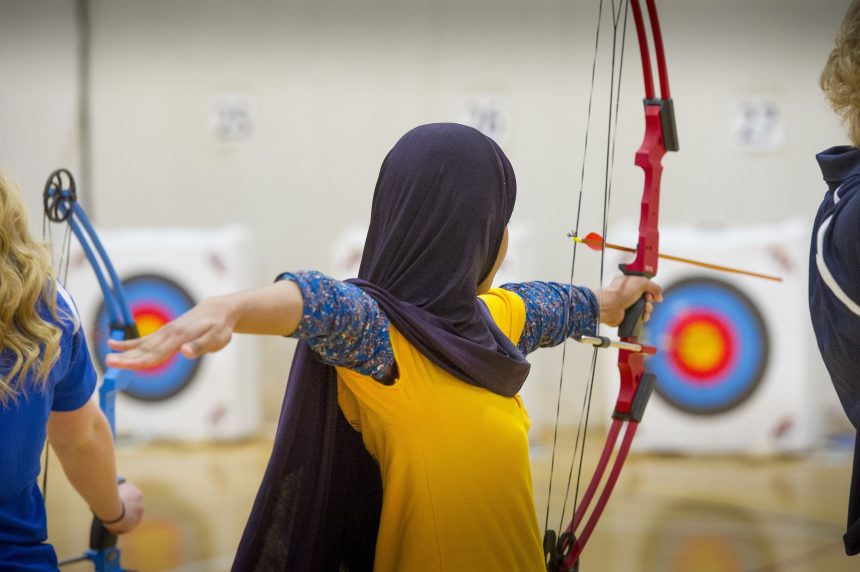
61	206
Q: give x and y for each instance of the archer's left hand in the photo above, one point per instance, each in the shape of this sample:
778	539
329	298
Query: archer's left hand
622	293
132	509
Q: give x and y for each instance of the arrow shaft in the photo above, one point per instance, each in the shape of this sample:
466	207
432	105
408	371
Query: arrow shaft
719	267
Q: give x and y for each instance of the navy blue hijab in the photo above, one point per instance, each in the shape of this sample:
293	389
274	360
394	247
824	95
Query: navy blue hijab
444	196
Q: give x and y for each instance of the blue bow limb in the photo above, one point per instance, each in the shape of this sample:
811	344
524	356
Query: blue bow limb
61	205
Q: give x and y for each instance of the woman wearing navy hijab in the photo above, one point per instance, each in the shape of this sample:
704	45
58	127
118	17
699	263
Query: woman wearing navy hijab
834	263
402	443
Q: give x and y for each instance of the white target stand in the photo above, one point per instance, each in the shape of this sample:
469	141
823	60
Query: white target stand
734	365
164	272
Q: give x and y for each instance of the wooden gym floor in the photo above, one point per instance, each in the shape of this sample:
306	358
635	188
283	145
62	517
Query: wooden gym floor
675	514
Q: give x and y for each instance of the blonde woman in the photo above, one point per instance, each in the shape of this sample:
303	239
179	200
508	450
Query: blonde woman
46	381
834	280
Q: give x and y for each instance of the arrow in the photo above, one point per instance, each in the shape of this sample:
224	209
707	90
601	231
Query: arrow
595	242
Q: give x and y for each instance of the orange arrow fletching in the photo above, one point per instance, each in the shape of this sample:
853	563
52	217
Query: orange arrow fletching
593	241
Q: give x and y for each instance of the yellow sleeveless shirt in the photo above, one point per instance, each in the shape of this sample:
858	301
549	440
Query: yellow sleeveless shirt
457	487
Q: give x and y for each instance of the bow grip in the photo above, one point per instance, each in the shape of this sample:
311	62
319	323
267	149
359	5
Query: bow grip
100	537
631	325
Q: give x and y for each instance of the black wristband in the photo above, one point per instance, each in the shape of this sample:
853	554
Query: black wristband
116	520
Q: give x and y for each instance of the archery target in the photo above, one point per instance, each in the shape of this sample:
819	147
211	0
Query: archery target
154	300
715	346
164	272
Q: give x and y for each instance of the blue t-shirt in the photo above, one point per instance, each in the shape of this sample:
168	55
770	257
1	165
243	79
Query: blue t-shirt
23	526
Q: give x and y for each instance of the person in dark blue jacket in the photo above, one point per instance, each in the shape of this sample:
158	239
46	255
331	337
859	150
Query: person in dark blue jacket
834	265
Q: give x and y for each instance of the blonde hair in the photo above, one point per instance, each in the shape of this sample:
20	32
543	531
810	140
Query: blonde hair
840	78
27	283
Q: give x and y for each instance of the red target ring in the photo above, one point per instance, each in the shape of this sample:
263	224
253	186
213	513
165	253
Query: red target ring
702	345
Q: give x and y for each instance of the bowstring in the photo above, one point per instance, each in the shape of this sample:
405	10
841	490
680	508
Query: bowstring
614	97
61	267
612	131
572	268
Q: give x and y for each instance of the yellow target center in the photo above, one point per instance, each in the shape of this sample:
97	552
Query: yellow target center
147	324
701	346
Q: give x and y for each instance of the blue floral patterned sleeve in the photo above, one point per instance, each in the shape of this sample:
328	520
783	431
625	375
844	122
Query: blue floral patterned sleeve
345	326
554	312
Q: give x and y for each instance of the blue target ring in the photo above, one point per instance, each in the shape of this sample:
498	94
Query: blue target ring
153	300
714	346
